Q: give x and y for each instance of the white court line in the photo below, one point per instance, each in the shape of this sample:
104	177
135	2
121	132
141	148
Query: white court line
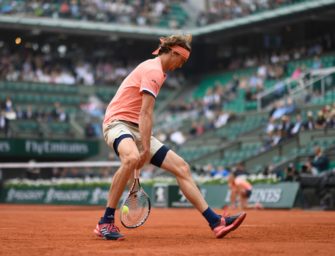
257	226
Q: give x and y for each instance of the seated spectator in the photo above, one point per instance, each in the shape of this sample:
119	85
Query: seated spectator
297	125
255	82
320	122
326	110
222	171
291	174
7	113
18	112
210	170
285	126
28	113
8	107
297	73
62	115
271	126
290	106
309	124
317	63
235	83
262	71
320	160
212	99
331	119
56	112
3	123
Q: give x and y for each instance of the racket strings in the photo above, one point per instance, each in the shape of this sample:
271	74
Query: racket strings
138	206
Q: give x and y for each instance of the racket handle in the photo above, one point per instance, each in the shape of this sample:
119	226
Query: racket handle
136	173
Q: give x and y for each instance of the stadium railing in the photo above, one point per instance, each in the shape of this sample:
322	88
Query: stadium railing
315	80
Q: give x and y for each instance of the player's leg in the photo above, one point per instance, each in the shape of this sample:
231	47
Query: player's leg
124	145
243	200
129	157
177	166
120	137
166	159
233	193
221	226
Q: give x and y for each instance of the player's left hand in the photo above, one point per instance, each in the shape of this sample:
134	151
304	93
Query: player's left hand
144	158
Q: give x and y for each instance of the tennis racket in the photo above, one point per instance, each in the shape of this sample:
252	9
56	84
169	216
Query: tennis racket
136	207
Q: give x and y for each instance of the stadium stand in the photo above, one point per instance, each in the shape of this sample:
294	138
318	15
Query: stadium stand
169	14
251	83
148	13
228	10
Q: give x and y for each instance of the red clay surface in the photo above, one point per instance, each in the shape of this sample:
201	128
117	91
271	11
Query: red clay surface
67	230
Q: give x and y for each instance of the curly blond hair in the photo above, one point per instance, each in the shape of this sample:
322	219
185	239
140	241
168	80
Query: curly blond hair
180	40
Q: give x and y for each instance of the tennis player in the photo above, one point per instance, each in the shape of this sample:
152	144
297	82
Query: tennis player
240	192
127	128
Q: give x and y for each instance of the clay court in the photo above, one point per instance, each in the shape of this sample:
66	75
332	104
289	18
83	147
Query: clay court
67	230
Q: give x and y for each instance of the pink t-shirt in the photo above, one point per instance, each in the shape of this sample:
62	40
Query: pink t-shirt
126	104
243	183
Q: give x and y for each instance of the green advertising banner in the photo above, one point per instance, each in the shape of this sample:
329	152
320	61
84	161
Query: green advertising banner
39	148
54	195
281	195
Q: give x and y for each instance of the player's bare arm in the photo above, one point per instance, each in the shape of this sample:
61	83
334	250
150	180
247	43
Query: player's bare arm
145	126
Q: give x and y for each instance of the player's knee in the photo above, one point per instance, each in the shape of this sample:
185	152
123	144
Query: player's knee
131	160
185	170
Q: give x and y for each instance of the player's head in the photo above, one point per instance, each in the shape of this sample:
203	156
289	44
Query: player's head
177	48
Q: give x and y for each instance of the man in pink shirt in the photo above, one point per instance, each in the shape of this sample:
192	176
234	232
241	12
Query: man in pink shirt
127	128
239	188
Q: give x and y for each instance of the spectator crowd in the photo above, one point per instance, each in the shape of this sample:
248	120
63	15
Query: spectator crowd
46	64
218	10
139	12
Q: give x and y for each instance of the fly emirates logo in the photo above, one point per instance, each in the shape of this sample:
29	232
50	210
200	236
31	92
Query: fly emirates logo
48	147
